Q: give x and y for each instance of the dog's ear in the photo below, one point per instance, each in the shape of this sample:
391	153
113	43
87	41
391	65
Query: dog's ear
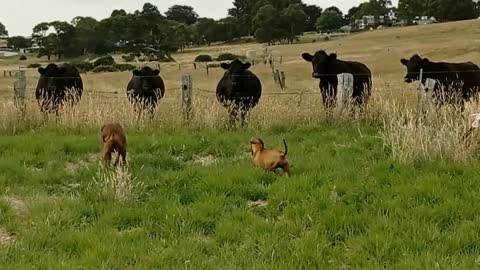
263	144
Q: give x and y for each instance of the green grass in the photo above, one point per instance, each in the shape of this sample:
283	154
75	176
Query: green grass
348	205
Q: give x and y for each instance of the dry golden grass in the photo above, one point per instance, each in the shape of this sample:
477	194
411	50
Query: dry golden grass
393	101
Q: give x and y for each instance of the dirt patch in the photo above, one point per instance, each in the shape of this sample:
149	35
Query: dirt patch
204	160
18	205
72	168
257	204
6	239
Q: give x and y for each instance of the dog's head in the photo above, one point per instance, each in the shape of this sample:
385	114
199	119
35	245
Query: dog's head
257	145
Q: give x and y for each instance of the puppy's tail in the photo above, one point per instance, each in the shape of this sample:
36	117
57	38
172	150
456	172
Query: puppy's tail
286	148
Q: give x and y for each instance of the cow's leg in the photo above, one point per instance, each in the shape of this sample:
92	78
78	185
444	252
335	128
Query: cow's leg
244	114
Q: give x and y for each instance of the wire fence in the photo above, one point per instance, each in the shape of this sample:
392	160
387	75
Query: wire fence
380	88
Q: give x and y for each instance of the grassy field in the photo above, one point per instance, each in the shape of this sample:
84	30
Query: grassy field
191	200
388	189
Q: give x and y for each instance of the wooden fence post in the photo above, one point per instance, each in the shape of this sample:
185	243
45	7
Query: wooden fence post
187	96
20	87
282	79
344	91
207	68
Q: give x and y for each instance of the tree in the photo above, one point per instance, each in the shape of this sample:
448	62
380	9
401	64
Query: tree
231	28
295	21
85	38
182	14
408	9
207	31
244	11
329	21
18	42
3	30
334	9
149	11
118	12
313	12
453	10
267	25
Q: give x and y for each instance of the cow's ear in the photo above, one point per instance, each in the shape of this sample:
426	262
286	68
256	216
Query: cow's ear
404	61
156	72
42	71
225	66
425	61
137	73
333	56
247	65
62	71
307	57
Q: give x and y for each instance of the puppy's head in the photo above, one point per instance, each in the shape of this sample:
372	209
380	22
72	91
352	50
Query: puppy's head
257	145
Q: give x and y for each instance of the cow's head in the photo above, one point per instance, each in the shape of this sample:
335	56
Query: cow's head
235	71
320	62
147	78
52	75
413	67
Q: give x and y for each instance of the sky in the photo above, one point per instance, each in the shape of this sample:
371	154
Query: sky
20	16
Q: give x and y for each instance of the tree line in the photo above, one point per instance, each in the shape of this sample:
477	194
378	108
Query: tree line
269	21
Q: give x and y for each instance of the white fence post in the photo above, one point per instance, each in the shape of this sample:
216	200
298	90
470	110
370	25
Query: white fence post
344	91
187	94
429	87
20	87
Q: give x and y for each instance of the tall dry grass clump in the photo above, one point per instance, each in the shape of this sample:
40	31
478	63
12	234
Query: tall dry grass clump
117	183
428	135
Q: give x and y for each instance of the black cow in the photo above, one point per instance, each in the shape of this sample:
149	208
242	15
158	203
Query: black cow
239	90
145	89
455	82
57	86
326	67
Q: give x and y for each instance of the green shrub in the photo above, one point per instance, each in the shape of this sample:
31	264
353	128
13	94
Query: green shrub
229	57
104	69
23	58
129	58
203	58
83	66
124	67
34	65
104	61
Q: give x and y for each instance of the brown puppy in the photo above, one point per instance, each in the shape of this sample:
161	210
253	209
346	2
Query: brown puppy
113	139
269	160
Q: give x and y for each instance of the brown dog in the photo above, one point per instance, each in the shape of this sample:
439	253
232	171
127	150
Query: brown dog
269	160
113	140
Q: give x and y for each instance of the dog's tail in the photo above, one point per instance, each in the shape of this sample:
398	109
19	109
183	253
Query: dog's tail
286	148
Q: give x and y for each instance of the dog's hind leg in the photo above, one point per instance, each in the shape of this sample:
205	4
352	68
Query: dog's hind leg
286	169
